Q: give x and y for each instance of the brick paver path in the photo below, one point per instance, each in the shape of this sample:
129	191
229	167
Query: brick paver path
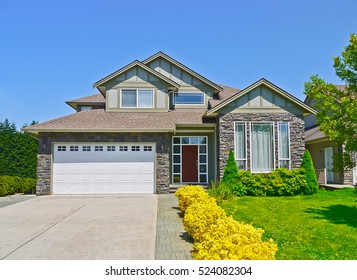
172	241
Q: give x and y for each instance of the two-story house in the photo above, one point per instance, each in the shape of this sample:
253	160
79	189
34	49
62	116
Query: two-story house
156	123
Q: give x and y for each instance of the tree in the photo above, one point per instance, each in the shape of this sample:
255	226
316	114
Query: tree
337	106
310	174
18	152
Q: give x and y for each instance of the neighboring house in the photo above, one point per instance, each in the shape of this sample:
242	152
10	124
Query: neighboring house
322	150
157	123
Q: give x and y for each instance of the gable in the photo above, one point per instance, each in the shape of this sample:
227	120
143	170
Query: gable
262	96
261	99
184	76
135	71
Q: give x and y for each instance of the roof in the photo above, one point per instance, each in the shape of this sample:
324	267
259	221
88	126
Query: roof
180	65
95	98
101	121
268	84
223	95
314	134
131	65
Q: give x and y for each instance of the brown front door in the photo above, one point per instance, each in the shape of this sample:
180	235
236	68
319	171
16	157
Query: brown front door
189	164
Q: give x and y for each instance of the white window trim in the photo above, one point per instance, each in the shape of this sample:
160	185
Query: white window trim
189	104
137	92
251	146
280	158
198	159
246	145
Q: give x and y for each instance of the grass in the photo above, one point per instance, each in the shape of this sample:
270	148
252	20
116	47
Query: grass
313	227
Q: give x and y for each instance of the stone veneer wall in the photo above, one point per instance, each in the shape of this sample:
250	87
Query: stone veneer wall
225	135
45	154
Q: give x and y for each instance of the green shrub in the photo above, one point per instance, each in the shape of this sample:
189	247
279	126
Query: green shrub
28	186
277	183
10	185
4	187
286	182
255	184
220	191
230	177
310	174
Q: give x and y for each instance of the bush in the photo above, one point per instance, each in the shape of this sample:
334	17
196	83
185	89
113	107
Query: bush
230	240
255	184
230	177
277	183
217	237
286	182
310	174
200	216
10	185
220	191
189	194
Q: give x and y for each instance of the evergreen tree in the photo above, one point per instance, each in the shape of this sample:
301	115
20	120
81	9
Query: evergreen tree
18	152
230	177
310	174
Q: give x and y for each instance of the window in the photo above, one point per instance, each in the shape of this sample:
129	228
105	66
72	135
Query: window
110	148
73	148
284	147
147	148
262	147
135	148
61	148
85	108
240	147
86	148
98	148
123	148
137	98
189	98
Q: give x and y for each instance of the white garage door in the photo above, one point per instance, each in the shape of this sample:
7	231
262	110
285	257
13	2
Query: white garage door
103	168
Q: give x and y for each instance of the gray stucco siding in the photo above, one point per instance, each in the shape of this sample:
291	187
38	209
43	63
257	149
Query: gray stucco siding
225	135
45	153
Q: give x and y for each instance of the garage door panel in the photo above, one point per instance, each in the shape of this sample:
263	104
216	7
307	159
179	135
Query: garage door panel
103	172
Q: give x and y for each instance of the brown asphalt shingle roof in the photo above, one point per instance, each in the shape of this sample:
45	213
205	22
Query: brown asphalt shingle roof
95	98
314	134
99	119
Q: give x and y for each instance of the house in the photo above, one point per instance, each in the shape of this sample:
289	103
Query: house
157	123
322	151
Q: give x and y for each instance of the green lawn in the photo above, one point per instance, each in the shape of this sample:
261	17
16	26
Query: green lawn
315	227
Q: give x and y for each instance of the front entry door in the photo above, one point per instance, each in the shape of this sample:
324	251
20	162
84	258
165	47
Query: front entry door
190	164
329	164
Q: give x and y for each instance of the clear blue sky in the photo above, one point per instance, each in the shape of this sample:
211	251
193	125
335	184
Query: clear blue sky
53	51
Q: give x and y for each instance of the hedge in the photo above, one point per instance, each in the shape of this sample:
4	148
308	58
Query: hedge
216	236
13	184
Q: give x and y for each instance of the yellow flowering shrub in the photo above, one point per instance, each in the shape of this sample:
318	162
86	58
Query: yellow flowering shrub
189	194
217	237
228	239
200	216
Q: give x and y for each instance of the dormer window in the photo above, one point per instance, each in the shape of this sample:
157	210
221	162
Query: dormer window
137	98
85	108
184	98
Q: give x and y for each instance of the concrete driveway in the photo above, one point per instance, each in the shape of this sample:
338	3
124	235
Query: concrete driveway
79	227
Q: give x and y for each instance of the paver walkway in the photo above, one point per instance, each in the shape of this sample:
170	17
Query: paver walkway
172	241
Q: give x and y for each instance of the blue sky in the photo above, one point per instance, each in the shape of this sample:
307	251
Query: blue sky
53	51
